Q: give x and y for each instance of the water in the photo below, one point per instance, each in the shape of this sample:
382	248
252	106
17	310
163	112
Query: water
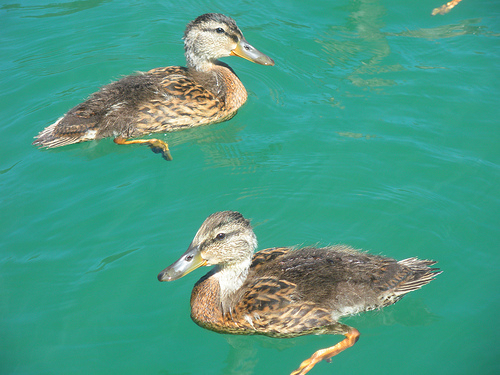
378	127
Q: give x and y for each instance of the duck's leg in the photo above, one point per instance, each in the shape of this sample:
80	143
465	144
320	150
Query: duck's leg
351	336
156	145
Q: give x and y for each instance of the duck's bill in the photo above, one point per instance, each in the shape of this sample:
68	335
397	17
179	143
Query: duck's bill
247	51
188	262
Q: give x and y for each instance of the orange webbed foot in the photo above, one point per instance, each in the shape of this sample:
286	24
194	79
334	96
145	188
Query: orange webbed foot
160	147
156	145
326	354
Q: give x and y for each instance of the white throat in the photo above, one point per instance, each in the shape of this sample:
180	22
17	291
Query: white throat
231	278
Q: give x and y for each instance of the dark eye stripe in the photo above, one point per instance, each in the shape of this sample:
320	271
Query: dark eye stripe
232	34
216	239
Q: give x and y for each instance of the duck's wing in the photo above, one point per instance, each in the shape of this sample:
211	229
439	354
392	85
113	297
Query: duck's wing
272	307
111	111
342	280
180	102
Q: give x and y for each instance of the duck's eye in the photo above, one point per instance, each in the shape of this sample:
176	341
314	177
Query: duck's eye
220	236
189	258
219	30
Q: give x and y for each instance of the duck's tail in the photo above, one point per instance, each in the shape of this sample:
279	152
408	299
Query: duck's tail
56	136
420	273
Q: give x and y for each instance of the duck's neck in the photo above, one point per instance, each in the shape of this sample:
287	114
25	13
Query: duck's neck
230	279
215	295
218	78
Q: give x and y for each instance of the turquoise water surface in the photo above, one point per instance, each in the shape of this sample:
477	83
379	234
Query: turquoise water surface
378	127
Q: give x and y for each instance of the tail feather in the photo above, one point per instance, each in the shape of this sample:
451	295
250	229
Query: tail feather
50	137
420	274
412	274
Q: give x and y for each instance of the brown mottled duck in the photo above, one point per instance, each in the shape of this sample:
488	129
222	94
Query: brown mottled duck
288	292
165	99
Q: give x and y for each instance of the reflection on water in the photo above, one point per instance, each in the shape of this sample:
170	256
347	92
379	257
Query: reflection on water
110	259
356	135
360	46
54	9
446	31
242	356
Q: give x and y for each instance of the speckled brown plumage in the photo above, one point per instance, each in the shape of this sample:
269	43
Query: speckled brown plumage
165	99
287	292
292	292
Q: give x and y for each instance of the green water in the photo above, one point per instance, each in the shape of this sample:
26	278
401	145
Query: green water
378	128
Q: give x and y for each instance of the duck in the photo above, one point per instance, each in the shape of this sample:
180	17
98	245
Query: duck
288	291
165	99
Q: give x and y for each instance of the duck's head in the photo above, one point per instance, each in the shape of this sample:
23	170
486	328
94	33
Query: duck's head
225	238
214	35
